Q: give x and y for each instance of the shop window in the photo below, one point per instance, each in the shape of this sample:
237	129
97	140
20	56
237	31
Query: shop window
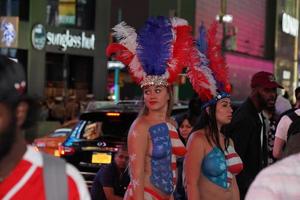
15	8
68	75
71	13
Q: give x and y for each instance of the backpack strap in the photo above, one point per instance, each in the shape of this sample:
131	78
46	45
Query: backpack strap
55	178
295	125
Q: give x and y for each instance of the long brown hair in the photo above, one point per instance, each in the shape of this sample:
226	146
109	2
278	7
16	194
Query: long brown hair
145	110
208	122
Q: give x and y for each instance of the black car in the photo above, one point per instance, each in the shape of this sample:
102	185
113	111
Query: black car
99	133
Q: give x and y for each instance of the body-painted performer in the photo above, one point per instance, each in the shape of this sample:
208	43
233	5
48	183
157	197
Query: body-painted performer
155	56
211	162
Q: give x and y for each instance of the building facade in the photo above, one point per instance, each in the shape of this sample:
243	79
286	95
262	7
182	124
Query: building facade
61	44
287	45
246	39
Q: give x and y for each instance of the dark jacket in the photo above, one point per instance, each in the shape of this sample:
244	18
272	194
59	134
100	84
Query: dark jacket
109	176
245	131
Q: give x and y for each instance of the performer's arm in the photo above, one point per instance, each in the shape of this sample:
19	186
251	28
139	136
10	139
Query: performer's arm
192	163
235	188
137	148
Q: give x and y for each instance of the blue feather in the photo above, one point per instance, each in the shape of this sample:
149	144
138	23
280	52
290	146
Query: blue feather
154	45
202	40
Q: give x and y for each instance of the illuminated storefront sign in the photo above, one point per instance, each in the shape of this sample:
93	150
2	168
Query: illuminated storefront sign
67	12
9	32
290	25
38	36
64	40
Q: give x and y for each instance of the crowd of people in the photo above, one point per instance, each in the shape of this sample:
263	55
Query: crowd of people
63	109
210	152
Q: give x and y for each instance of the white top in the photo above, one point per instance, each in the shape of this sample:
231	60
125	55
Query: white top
278	181
283	126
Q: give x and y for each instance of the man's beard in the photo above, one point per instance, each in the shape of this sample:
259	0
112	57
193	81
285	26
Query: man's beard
262	102
7	139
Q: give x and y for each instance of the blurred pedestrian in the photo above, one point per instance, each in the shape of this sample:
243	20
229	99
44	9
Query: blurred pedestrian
279	181
288	130
247	128
112	180
153	142
211	163
194	110
24	172
282	105
72	108
44	110
297	95
58	110
185	127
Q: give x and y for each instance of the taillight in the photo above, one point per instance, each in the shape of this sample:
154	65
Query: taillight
113	114
63	151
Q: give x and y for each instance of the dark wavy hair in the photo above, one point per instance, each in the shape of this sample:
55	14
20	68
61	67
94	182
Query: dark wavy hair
192	119
208	122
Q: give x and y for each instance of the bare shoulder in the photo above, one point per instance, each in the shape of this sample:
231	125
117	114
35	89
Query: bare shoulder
197	138
139	126
198	135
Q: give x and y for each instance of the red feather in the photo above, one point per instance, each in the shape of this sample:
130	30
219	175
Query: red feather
197	77
217	61
181	50
122	54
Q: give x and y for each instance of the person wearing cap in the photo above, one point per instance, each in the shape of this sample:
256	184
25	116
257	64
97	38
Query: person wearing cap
112	180
22	168
247	128
211	163
155	56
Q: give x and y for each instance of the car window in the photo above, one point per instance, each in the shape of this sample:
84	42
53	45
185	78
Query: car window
101	124
113	121
92	130
59	134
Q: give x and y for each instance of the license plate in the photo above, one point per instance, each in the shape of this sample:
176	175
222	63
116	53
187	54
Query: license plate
101	158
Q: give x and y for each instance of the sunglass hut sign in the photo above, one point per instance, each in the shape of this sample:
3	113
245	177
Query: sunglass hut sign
64	40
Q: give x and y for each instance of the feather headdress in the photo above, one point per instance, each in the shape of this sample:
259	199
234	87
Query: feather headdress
157	53
209	77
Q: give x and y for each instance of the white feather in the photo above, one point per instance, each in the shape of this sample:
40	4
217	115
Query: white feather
212	83
126	35
136	68
176	21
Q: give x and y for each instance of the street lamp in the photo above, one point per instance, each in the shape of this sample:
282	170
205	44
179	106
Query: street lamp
224	18
116	65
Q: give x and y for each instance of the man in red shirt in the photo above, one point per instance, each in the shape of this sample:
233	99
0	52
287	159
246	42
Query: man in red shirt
21	167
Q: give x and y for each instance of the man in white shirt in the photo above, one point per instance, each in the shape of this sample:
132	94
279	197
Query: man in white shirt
278	181
281	134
